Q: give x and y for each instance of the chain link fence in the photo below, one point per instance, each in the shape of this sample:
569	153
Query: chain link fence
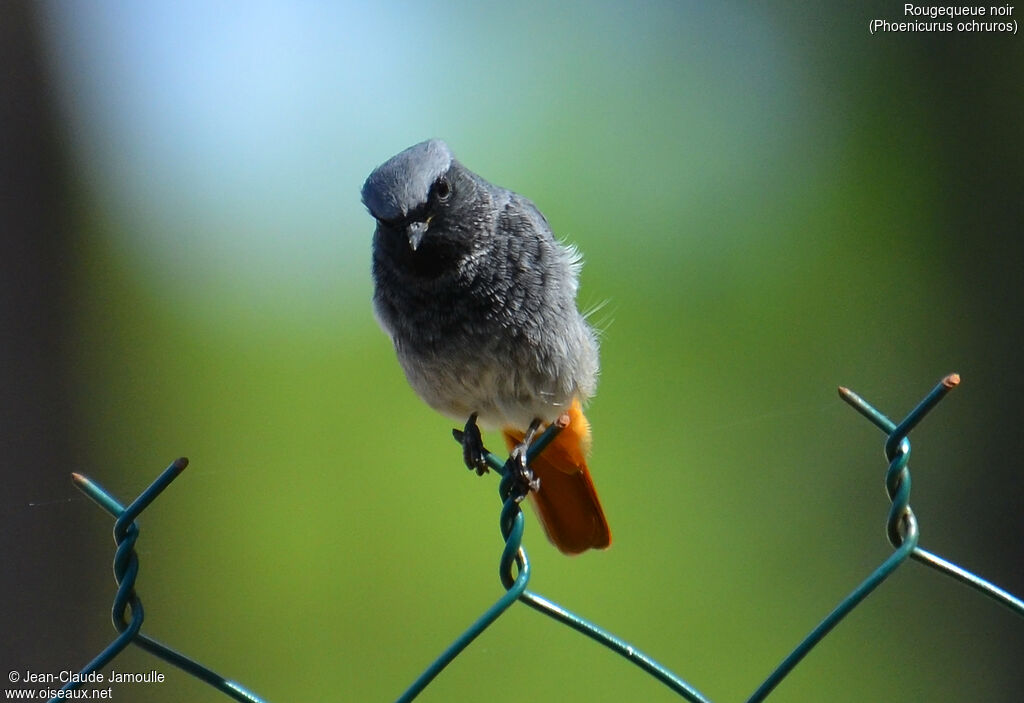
902	531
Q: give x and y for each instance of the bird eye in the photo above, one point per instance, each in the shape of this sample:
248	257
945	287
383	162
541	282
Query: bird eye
442	189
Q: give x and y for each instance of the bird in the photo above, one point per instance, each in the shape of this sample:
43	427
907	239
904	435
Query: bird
479	300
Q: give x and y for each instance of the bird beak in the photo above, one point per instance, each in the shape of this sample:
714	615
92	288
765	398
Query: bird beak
416	231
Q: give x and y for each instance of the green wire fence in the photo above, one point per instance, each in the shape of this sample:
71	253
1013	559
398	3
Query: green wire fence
515	568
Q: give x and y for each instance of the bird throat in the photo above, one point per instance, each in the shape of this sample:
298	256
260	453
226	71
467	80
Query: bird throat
433	258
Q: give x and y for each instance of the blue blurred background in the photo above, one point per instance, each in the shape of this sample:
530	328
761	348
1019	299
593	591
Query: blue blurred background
771	202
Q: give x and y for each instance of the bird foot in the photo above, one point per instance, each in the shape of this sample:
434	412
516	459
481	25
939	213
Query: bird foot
517	462
473	452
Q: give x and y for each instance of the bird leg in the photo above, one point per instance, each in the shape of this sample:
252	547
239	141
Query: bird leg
473	451
474	454
517	461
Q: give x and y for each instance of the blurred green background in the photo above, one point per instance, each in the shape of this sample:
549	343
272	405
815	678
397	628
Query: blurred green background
771	202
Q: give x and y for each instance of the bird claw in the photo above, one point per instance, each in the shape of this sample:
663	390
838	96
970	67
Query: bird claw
523	474
517	462
473	452
475	455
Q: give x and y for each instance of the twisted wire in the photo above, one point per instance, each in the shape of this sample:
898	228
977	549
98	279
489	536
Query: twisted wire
901	527
894	431
126	570
897	484
514	571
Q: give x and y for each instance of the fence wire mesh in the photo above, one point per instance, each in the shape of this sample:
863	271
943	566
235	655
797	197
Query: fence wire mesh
901	528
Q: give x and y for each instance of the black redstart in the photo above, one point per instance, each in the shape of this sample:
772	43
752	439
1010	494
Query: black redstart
479	300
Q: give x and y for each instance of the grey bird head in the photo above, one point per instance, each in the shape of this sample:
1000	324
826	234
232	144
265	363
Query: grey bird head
399	193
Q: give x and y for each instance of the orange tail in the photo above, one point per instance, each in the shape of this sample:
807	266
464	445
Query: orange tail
567	503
